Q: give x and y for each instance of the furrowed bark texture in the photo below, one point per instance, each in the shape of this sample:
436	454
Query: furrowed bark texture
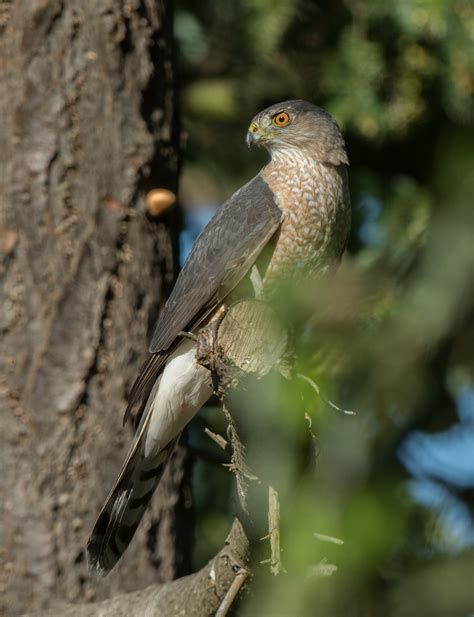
87	128
198	595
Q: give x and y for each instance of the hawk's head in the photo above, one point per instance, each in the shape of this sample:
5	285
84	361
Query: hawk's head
298	126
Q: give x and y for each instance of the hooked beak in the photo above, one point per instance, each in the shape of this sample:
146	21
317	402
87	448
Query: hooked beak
253	135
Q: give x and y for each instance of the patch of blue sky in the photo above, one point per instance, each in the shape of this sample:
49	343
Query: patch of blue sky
195	219
442	460
456	522
447	455
370	231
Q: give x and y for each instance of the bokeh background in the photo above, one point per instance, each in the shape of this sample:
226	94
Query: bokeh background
391	337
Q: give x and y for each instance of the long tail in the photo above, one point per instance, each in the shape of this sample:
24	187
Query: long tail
178	393
124	508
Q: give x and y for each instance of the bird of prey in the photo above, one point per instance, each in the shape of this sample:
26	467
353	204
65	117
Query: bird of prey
296	213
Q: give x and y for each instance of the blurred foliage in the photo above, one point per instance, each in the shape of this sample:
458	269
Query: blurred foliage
392	335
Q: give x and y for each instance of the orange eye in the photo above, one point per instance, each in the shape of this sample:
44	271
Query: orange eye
281	119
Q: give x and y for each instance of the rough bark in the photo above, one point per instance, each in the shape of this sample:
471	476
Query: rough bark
198	595
87	129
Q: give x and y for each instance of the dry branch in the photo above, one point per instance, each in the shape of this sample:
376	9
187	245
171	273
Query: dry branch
215	587
276	566
247	339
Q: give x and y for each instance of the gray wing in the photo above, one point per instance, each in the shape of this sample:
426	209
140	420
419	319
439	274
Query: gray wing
222	255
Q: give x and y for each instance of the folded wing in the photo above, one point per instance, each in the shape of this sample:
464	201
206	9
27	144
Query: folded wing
221	256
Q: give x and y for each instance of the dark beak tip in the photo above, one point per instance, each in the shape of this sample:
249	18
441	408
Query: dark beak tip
252	138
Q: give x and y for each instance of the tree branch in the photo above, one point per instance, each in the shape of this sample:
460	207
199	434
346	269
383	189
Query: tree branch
197	595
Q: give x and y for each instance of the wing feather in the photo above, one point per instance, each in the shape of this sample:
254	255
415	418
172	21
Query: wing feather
222	255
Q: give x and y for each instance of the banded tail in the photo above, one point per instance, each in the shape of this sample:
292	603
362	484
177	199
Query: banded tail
124	509
178	393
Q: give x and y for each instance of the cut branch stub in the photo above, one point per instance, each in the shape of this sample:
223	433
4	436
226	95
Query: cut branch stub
250	338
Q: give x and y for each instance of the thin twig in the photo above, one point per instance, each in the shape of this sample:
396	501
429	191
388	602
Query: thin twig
276	566
218	439
188	335
324	538
316	388
309	420
232	592
257	282
238	465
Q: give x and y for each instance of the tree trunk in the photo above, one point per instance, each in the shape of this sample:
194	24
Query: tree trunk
87	112
210	592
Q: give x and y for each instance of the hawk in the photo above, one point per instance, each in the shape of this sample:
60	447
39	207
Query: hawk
291	220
